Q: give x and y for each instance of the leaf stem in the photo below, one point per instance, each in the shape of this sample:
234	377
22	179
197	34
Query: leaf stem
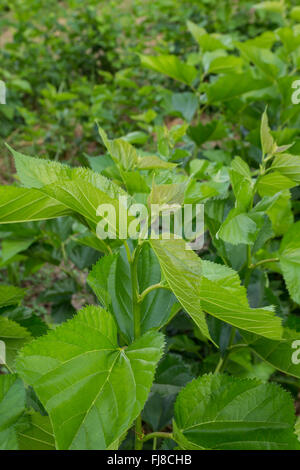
135	292
133	260
155	435
138	433
149	289
127	251
264	261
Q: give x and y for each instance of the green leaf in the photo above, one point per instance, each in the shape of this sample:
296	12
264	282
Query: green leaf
213	130
167	193
12	406
227	413
36	433
226	64
196	31
135	182
238	228
231	86
79	374
84	198
153	162
225	277
10	248
186	104
23	205
182	271
272	183
288	165
290	261
208	287
37	173
121	151
279	354
14	337
240	177
265	61
10	295
158	306
228	303
207	42
171	66
110	279
281	214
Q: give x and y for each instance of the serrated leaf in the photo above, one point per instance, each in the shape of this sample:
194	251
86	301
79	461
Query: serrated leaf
36	173
227	413
10	295
12	406
167	193
153	162
23	205
78	372
182	270
82	197
238	228
229	305
204	287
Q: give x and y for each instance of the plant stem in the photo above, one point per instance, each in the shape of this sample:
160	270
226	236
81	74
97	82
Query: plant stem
135	292
8	368
138	433
251	268
248	268
127	251
155	435
137	327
